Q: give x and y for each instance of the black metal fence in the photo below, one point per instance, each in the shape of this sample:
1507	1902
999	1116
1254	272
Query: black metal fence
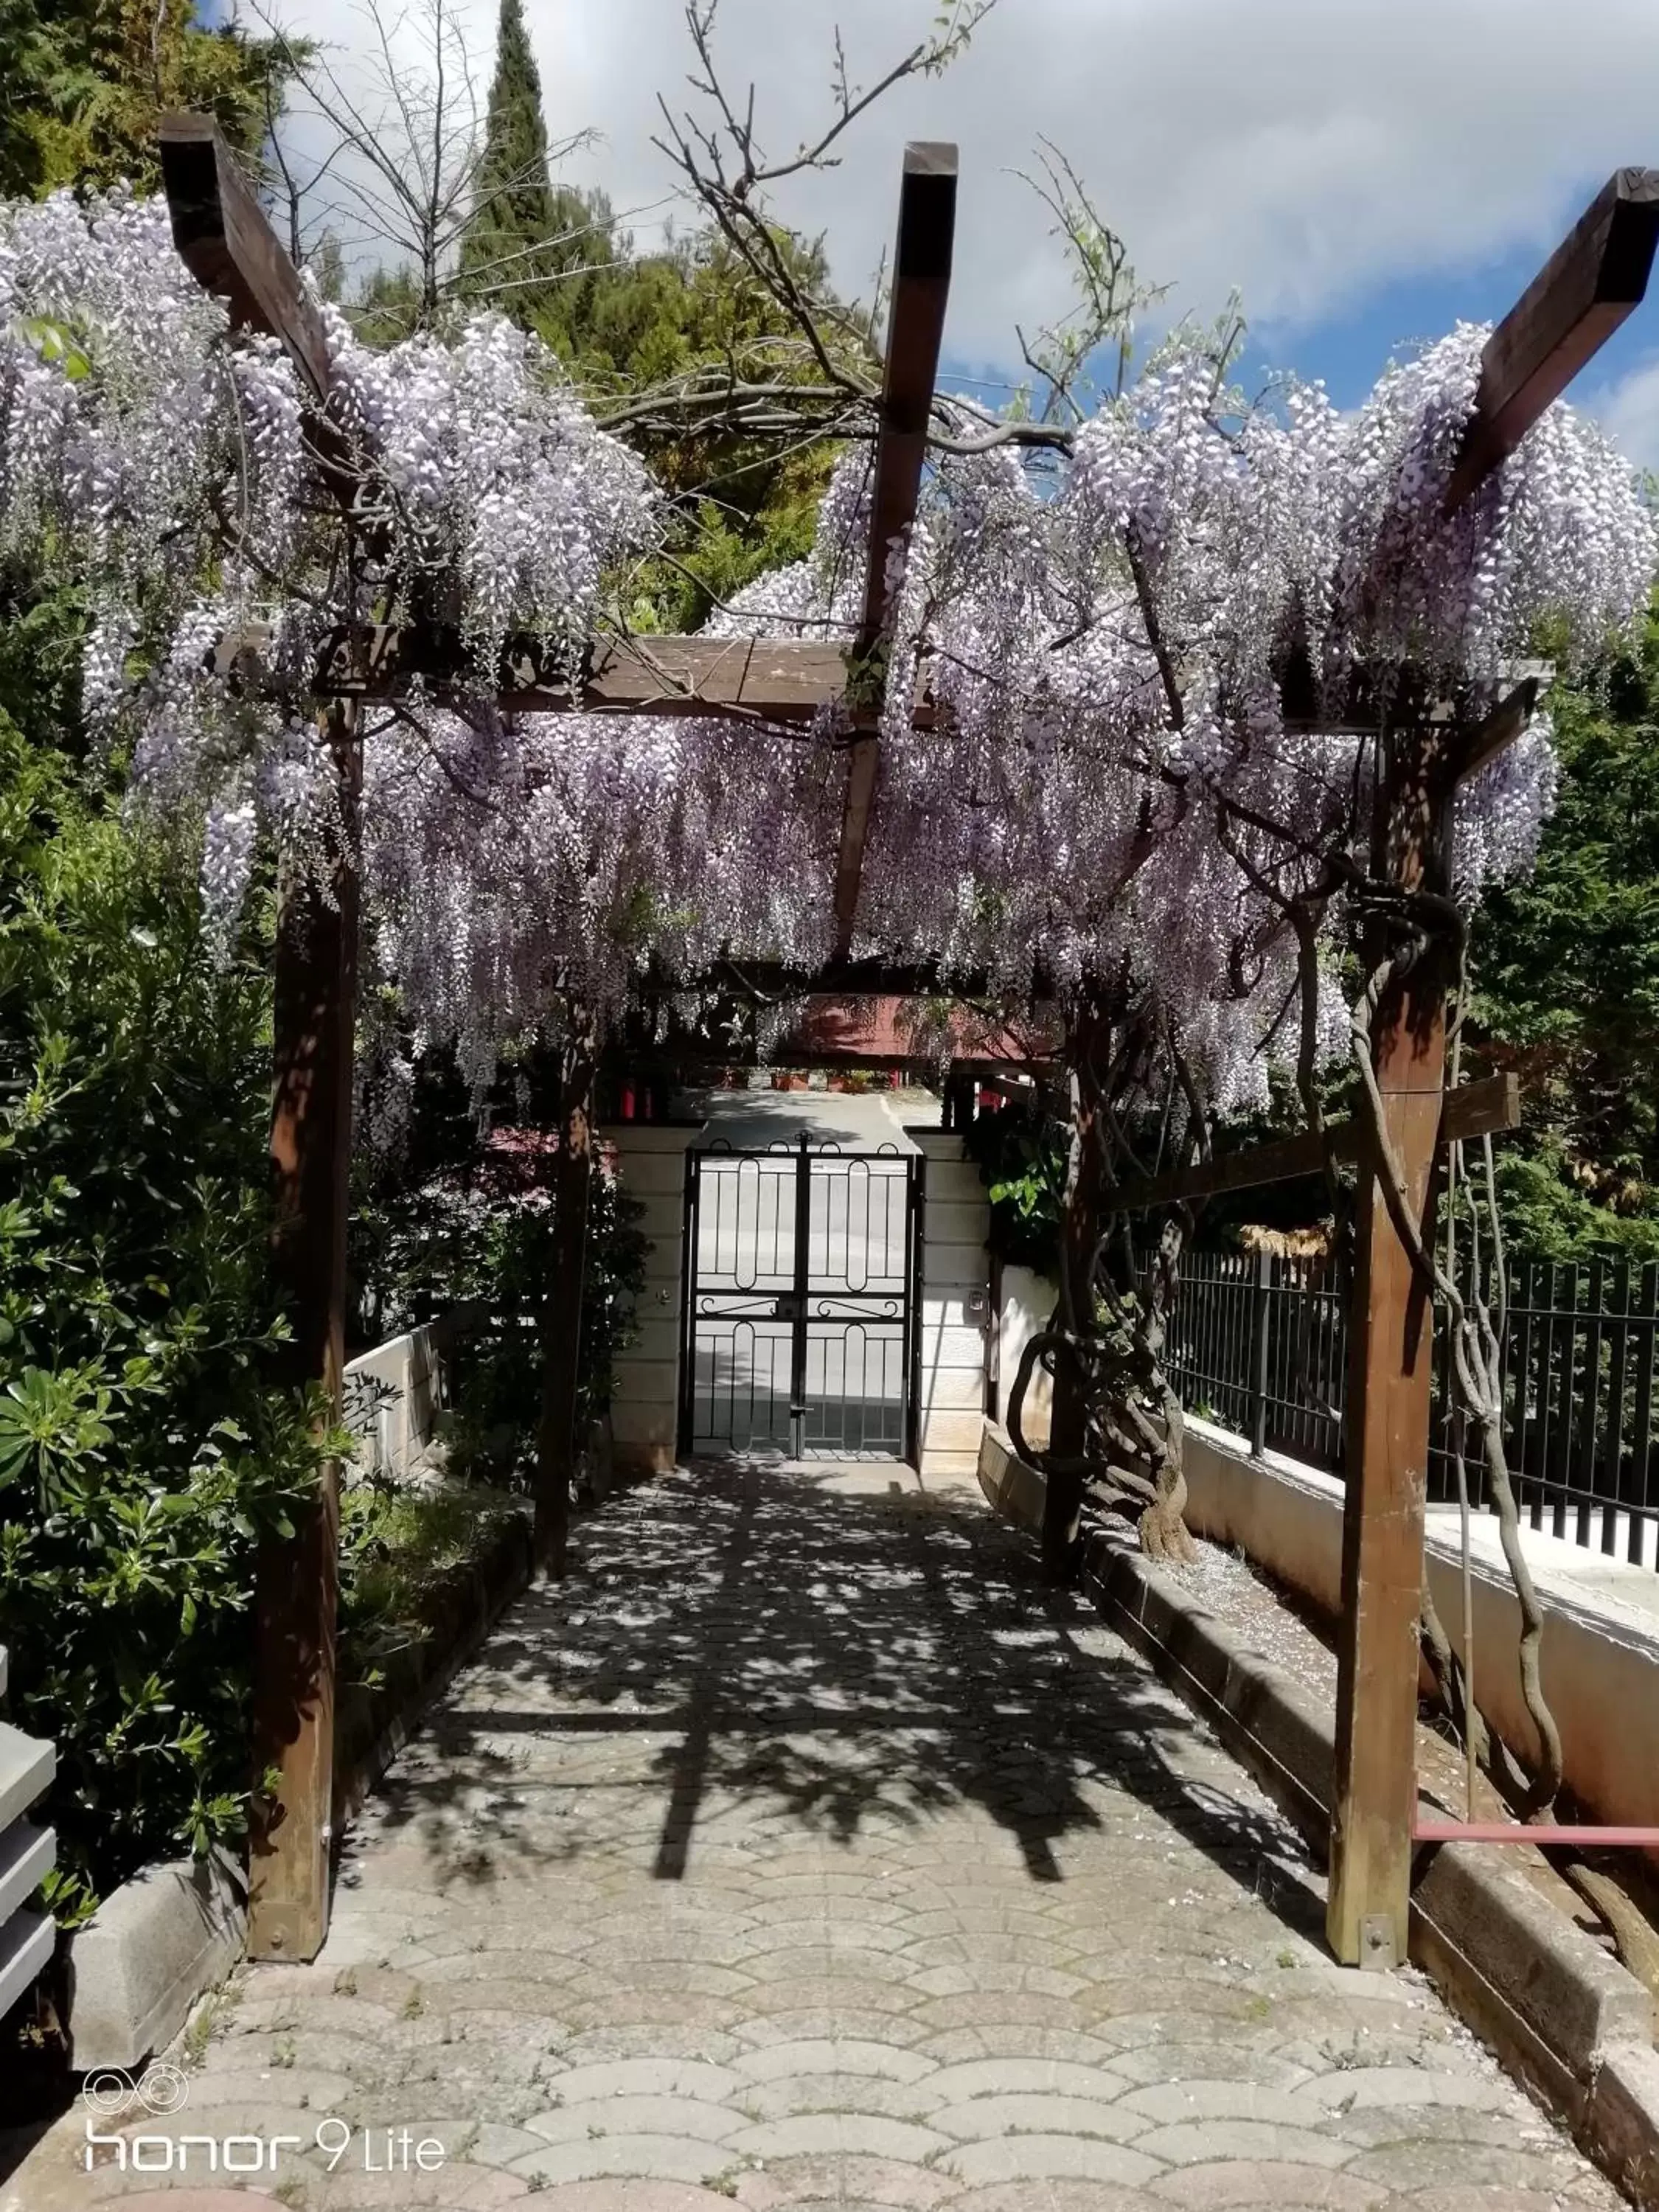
1261	1344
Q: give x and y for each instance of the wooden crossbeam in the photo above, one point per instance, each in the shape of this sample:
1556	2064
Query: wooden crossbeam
758	680
1474	1109
770	679
1477	747
227	243
915	330
841	978
1597	274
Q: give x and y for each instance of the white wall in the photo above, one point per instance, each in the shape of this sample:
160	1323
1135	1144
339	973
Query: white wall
1028	1301
393	1398
27	1857
650	1158
954	1301
1600	1660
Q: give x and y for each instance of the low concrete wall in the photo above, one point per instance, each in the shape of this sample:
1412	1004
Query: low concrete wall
1601	1676
1027	1301
148	1953
393	1395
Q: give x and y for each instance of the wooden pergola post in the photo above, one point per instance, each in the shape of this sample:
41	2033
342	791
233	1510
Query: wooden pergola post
1389	1412
1582	294
1079	1235
556	1442
224	238
294	1658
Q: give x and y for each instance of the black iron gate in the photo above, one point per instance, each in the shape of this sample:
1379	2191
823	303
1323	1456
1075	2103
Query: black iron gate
800	1332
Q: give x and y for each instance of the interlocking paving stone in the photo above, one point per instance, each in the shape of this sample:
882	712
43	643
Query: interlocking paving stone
658	2157
803	1851
1036	2158
645	2077
1239	2182
838	2054
1033	2112
635	2116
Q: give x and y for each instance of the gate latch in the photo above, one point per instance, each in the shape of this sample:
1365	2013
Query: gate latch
785	1307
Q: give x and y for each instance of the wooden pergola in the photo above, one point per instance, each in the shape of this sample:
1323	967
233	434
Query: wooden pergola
1586	288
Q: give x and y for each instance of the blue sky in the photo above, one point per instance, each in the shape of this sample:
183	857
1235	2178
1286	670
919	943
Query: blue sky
1347	350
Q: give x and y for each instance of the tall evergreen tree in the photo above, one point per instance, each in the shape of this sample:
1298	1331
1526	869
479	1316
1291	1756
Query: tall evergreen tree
527	241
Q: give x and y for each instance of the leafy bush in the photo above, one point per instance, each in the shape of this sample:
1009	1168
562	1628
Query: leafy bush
398	1548
141	1449
1566	960
481	1234
1021	1153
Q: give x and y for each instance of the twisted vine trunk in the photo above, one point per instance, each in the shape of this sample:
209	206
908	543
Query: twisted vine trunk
1116	1433
561	1308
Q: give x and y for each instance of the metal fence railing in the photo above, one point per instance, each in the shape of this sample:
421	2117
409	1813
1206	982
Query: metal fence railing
1260	1344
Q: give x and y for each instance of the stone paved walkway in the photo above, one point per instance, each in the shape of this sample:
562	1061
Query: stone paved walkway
803	1851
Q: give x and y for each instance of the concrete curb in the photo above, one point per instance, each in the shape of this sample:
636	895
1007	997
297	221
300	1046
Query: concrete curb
1561	2014
152	1947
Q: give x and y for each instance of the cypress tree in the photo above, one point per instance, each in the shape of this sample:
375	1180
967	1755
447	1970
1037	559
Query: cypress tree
513	246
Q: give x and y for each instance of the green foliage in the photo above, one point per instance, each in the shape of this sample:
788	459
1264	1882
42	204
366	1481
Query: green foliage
497	1247
1566	964
527	249
400	1549
143	1450
552	257
1021	1153
460	1221
84	82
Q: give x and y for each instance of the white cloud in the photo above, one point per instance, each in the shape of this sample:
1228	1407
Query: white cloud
1629	412
1305	150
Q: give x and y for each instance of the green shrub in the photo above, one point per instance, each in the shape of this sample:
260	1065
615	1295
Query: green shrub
142	1448
483	1236
1021	1153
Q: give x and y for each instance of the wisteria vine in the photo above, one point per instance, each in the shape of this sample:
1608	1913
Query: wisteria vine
1107	784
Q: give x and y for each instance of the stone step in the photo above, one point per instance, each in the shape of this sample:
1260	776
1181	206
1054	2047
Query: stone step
26	1860
27	1766
26	1945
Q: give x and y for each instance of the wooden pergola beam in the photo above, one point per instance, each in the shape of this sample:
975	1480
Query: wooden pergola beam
226	241
1474	1109
1477	746
1591	282
915	331
764	680
842	978
758	681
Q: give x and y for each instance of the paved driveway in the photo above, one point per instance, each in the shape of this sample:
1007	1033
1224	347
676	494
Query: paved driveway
803	1851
